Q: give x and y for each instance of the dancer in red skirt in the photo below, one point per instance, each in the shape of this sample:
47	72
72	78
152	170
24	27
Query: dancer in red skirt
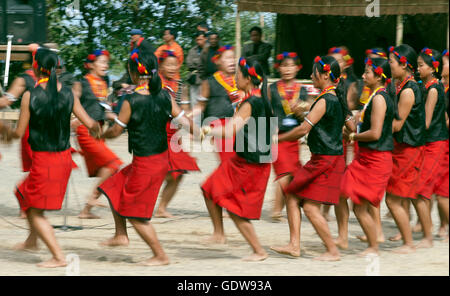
92	90
132	192
180	162
284	96
366	178
47	110
239	183
442	184
318	181
409	139
219	97
430	68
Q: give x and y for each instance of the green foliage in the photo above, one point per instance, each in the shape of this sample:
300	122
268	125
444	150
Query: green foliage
106	23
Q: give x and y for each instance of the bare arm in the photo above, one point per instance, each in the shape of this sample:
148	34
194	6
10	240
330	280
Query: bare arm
124	117
314	117
17	88
186	122
430	105
236	123
405	105
24	117
376	122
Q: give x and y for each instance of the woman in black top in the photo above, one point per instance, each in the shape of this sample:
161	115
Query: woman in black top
47	110
132	192
239	183
318	182
409	139
365	179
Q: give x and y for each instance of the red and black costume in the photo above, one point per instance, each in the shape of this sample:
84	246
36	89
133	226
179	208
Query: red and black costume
368	175
95	152
436	146
51	165
408	150
288	152
133	191
240	181
320	179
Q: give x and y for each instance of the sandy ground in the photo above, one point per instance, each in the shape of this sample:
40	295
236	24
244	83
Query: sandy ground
181	236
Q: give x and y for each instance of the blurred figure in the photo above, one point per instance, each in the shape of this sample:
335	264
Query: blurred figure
258	49
194	64
170	44
208	67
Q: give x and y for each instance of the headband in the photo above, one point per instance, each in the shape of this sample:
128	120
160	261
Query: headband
94	55
377	70
376	52
165	54
251	70
135	57
402	59
429	52
445	53
347	58
326	68
280	57
220	51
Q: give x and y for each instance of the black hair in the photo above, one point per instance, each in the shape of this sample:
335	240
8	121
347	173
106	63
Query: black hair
257	82
336	74
150	62
257	29
46	63
200	33
213	33
409	53
429	61
203	24
172	31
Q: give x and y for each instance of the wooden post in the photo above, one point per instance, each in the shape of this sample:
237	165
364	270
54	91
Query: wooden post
399	34
261	23
238	35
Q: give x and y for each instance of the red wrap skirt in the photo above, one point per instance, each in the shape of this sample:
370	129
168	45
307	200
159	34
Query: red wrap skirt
238	186
288	158
180	162
431	168
407	161
95	152
367	176
25	151
224	146
442	184
45	186
319	179
133	191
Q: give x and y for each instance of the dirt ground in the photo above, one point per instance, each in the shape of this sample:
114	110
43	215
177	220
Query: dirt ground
181	236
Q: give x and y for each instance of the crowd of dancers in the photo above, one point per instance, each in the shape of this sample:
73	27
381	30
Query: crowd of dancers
397	126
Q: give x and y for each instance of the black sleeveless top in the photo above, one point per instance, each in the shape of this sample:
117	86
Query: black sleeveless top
438	126
219	104
254	140
147	126
326	136
285	123
413	130
47	132
90	102
386	140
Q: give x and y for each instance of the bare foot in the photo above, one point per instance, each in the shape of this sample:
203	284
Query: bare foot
417	228
277	217
442	233
363	238
26	247
341	243
53	263
96	203
425	244
215	239
87	215
155	261
396	237
368	251
116	241
405	249
256	257
163	214
328	257
289	250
